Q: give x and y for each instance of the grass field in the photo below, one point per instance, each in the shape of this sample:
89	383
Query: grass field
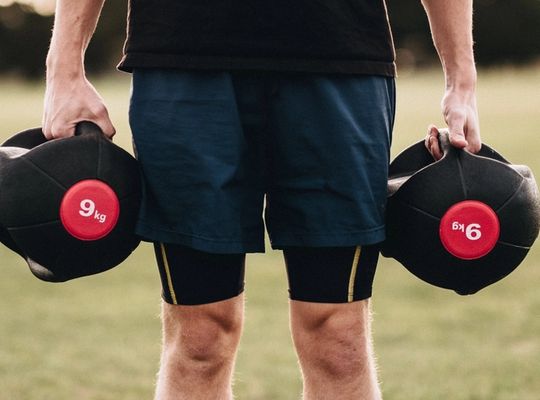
98	338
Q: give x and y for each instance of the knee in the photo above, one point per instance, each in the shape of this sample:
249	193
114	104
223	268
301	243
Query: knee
206	337
334	341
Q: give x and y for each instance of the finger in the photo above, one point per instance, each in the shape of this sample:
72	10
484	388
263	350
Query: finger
432	142
431	131
107	128
456	124
58	131
474	146
473	139
428	134
436	151
47	131
457	139
104	122
46	125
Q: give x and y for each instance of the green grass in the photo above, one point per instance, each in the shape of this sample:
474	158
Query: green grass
98	338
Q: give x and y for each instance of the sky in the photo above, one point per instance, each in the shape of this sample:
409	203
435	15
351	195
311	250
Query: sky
45	7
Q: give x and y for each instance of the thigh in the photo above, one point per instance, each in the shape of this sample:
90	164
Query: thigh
330	151
192	277
331	274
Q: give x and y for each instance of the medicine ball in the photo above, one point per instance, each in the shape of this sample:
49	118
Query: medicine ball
462	222
68	206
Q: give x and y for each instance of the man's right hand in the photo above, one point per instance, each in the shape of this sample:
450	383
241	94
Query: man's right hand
69	97
70	101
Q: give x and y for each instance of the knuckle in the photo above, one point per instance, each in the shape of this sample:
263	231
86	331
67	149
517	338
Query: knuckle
455	111
456	118
47	132
99	110
475	146
60	131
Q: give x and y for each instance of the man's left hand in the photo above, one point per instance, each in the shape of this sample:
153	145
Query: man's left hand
461	115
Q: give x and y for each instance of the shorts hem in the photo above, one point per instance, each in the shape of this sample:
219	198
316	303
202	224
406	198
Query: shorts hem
192	301
362	238
153	234
333	300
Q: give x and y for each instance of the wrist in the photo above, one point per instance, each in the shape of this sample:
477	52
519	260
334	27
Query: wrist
64	68
460	76
65	61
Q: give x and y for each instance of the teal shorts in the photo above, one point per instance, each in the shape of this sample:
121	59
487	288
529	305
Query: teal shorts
224	154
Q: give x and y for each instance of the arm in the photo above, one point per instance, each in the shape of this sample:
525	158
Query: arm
69	97
451	28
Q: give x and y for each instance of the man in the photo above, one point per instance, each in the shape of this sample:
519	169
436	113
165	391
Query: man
236	101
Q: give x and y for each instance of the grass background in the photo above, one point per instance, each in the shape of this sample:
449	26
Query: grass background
98	338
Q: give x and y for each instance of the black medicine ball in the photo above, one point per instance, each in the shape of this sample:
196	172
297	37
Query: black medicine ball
68	206
462	222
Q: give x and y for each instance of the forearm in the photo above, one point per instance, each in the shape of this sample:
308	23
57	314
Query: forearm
451	28
75	22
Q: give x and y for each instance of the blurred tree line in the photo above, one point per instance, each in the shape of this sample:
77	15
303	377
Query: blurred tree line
506	32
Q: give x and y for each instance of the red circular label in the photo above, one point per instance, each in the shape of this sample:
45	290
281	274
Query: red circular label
469	230
89	210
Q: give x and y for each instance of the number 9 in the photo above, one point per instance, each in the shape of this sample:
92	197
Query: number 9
473	232
87	207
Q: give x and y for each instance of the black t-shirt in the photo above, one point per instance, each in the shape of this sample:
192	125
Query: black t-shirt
326	36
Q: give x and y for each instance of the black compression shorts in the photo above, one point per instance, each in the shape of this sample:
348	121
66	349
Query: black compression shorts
315	274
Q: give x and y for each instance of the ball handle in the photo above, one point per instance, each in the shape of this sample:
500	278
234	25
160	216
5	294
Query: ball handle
87	128
444	143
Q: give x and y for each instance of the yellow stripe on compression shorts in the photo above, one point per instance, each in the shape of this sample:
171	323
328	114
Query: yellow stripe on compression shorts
168	273
354	268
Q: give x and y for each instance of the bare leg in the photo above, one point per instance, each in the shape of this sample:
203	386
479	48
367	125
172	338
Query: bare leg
333	342
199	350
